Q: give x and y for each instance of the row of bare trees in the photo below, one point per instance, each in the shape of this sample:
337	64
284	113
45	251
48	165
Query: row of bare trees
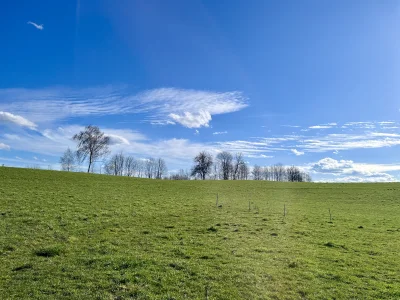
121	165
227	166
92	146
278	172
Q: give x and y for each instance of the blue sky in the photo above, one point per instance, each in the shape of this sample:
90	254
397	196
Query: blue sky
309	83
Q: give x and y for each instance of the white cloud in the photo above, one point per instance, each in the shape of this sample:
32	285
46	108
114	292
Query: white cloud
291	126
378	177
259	156
17	157
35	158
296	152
323	126
4	147
196	132
330	165
364	125
9	118
349	171
347	141
116	139
190	108
192	120
40	27
220	132
320	127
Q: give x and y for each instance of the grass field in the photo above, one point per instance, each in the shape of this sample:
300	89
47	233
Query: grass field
79	236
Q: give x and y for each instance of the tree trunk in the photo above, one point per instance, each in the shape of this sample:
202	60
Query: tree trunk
90	164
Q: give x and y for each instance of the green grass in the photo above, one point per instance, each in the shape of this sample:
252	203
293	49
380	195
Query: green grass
78	236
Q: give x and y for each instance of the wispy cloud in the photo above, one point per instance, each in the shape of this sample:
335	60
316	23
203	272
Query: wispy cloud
347	141
220	132
259	156
9	118
165	106
37	26
364	125
297	152
4	146
196	132
323	126
190	108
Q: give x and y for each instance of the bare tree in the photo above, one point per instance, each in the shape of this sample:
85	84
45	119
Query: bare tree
257	172
243	171
68	160
224	160
130	166
160	168
92	144
149	167
238	162
306	177
215	172
267	173
203	162
115	166
140	168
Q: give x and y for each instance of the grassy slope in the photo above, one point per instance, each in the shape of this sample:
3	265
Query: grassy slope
69	235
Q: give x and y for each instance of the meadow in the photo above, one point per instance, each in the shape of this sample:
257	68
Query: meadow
86	236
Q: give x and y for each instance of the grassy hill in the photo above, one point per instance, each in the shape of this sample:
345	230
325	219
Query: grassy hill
79	236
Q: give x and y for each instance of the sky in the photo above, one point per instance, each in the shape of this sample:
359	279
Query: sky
308	83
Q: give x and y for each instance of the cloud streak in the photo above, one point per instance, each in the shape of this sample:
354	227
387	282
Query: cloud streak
4	147
37	26
9	118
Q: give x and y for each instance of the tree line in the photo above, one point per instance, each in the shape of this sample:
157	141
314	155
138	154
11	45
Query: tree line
93	146
233	167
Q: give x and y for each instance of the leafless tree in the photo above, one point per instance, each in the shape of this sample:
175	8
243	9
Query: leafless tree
278	172
243	172
140	168
306	177
92	144
224	160
160	168
115	166
237	163
130	166
149	167
257	172
68	160
203	162
215	172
